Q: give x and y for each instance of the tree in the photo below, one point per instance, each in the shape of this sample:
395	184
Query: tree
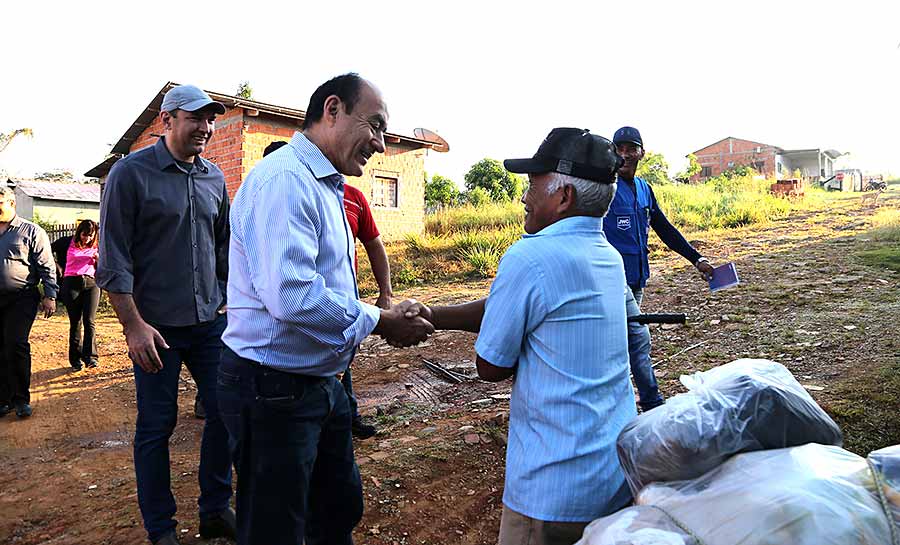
55	176
692	169
653	168
6	139
245	91
477	196
500	184
440	191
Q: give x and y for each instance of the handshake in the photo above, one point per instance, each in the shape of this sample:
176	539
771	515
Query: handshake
405	324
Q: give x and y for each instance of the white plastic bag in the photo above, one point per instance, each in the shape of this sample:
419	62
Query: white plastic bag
808	495
742	406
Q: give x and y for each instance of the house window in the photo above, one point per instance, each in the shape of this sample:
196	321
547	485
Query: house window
758	166
384	191
780	167
706	172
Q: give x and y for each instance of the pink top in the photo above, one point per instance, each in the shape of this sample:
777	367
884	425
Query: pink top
81	261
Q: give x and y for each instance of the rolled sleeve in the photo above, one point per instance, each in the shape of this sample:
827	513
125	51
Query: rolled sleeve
511	310
282	260
115	266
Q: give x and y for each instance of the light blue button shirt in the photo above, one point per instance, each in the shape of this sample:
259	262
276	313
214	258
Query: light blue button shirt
292	297
557	310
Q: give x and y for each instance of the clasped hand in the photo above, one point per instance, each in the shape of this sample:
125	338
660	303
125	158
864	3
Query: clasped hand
405	324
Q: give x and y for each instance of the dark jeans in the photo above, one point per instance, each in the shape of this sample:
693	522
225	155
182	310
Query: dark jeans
347	383
81	296
200	348
639	356
17	314
293	452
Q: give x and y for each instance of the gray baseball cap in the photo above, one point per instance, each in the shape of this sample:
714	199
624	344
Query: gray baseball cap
190	99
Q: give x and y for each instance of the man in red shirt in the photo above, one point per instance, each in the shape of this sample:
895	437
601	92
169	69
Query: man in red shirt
363	227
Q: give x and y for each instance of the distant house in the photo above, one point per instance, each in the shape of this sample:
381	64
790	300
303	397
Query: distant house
56	202
393	181
815	165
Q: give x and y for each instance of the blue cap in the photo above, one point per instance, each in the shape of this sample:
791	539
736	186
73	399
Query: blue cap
629	135
190	99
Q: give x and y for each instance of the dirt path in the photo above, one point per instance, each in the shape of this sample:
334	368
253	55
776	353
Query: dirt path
435	472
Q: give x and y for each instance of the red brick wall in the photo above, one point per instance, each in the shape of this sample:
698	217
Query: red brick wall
739	152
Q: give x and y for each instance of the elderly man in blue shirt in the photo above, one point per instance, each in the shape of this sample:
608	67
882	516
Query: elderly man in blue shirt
295	320
555	319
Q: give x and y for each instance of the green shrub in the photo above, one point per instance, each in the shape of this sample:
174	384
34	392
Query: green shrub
482	261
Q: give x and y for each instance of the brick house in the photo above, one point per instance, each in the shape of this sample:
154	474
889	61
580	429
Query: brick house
393	181
815	165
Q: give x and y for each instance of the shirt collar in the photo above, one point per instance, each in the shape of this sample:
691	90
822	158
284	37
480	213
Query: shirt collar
165	159
16	221
320	166
574	224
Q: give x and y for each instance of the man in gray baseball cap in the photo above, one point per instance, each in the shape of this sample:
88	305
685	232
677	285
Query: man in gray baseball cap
164	263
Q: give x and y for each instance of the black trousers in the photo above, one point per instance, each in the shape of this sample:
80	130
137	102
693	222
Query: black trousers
81	296
17	314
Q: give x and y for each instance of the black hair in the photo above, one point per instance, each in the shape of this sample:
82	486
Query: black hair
274	146
346	87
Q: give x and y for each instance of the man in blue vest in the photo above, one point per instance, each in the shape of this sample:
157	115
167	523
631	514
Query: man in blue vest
633	211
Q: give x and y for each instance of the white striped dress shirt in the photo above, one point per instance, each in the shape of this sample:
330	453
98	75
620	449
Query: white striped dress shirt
292	297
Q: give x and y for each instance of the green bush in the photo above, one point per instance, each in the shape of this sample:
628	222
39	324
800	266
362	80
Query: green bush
482	261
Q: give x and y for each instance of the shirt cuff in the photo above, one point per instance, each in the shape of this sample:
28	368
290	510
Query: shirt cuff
368	319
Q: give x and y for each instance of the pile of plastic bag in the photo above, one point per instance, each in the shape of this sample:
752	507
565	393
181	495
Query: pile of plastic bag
809	495
742	406
746	457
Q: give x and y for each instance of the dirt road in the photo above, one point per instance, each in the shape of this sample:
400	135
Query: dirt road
435	472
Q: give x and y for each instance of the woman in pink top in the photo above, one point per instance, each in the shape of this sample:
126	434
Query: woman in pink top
80	293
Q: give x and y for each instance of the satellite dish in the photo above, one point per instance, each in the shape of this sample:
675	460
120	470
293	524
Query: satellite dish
437	143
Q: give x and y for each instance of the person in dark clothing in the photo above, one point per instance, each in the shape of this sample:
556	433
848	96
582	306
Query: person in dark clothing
76	265
633	211
164	248
25	261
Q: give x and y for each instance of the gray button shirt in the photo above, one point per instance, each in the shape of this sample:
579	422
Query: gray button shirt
164	236
26	259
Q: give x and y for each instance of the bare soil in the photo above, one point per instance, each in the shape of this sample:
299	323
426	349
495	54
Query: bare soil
434	473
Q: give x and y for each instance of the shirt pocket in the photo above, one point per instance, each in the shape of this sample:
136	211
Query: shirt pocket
17	250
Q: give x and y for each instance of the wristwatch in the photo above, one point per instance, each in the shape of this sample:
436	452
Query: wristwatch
701	260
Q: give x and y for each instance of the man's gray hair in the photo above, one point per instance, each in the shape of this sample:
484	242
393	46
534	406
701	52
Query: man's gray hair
7	192
591	198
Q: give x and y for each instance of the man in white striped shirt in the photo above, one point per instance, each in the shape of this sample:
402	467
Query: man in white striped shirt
295	320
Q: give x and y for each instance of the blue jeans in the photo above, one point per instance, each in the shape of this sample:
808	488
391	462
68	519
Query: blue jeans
290	439
347	383
200	348
639	354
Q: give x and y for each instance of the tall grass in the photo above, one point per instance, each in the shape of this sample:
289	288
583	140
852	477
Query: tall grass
475	218
721	203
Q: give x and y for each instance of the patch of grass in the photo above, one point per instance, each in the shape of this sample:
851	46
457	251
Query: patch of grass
883	250
483	262
465	218
886	257
867	409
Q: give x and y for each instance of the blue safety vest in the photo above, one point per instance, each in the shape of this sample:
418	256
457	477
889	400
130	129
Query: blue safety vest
626	226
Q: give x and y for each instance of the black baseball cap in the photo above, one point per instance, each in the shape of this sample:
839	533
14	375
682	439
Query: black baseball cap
575	152
628	135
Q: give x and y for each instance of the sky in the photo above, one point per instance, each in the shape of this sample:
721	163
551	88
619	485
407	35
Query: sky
491	77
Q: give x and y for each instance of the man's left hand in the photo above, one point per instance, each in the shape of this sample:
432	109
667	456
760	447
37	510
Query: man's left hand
383	301
48	307
706	270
